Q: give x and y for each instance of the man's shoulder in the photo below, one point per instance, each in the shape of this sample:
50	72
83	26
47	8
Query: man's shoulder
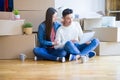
75	22
61	27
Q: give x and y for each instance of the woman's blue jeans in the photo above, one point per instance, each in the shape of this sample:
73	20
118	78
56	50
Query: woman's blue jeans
49	53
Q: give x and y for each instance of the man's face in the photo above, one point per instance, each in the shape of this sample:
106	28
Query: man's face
67	20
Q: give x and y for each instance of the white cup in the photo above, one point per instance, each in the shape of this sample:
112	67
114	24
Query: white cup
83	59
22	57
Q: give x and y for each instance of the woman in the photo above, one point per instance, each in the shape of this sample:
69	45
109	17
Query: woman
46	36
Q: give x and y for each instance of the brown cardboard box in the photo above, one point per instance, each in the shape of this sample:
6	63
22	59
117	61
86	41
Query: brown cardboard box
11	27
108	48
117	23
33	4
91	23
6	16
36	17
12	46
110	34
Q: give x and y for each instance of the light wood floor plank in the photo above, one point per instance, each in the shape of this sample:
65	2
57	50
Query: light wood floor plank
98	68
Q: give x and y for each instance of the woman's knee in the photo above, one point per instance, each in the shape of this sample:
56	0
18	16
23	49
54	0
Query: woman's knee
62	52
38	50
35	50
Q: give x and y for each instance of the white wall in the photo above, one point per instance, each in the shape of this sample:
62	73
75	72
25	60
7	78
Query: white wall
84	8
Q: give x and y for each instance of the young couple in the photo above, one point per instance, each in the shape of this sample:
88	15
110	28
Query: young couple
58	40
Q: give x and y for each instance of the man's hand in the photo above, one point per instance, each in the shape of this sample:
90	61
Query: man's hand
88	42
74	41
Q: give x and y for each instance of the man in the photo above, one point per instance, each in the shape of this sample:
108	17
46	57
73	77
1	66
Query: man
68	37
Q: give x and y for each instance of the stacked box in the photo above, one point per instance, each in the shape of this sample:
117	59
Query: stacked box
33	10
108	34
6	16
12	46
91	23
11	27
38	17
108	48
109	40
33	4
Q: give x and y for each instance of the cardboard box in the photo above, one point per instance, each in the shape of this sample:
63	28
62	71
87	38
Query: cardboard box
117	23
108	49
12	46
111	34
11	27
91	23
36	17
6	16
108	21
33	4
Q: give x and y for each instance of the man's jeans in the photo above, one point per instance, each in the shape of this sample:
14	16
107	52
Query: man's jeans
80	49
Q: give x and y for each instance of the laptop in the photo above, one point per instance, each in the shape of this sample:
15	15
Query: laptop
86	37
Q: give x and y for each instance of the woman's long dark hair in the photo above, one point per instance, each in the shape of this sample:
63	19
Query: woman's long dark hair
48	21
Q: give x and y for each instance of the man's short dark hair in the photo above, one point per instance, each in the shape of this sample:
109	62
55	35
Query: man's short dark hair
66	12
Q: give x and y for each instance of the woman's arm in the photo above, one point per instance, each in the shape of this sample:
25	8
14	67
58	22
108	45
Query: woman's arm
41	36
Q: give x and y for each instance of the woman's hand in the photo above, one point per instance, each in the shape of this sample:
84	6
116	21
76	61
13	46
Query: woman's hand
55	43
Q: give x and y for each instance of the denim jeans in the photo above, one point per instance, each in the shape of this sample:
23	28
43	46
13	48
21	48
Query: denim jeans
49	53
81	49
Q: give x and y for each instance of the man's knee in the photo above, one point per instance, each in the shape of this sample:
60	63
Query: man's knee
69	44
96	41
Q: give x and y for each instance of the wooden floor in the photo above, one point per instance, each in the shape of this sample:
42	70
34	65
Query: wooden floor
98	68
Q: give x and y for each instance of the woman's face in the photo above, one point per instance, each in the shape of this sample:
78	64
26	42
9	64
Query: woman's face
54	18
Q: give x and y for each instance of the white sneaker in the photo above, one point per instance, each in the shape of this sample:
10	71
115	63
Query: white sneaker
72	57
91	54
62	59
35	58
